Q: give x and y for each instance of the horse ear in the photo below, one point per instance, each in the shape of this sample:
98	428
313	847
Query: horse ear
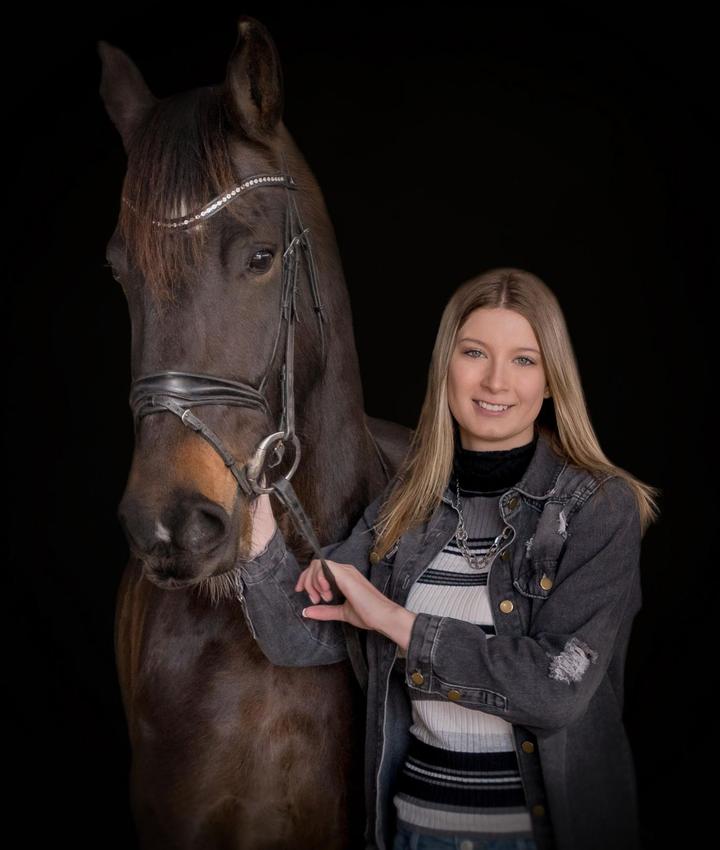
253	89
124	92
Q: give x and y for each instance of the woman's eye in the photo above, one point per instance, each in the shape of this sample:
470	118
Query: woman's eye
261	260
473	351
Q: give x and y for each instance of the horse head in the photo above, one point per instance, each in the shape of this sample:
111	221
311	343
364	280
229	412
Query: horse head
222	246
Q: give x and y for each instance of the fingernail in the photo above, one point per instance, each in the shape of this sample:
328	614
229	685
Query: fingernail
303	612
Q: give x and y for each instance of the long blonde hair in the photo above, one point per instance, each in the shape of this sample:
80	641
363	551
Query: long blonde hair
425	472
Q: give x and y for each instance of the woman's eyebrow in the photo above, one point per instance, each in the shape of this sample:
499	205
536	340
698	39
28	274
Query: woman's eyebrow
480	342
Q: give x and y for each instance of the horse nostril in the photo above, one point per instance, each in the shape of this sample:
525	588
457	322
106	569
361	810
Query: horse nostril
200	527
193	524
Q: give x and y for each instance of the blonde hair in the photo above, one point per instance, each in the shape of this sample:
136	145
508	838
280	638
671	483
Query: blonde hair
427	467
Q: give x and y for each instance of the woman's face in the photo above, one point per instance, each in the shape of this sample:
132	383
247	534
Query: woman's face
496	360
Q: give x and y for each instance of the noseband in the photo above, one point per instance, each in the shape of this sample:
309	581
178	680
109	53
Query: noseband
179	392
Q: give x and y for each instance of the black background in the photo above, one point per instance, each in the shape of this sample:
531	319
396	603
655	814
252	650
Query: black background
575	143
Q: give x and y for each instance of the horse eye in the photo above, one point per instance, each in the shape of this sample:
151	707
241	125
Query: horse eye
261	260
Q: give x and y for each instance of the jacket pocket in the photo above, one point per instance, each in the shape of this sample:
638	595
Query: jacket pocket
537	578
542	553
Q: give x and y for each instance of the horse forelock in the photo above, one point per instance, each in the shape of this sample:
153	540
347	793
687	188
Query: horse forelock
178	161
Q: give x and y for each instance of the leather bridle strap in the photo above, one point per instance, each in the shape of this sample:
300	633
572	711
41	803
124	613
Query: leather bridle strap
178	392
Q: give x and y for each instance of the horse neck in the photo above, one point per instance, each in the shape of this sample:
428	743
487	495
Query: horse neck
340	469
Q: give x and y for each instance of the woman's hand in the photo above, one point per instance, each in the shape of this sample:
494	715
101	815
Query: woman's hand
312	580
364	606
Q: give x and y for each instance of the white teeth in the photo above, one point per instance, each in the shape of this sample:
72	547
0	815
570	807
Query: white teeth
496	407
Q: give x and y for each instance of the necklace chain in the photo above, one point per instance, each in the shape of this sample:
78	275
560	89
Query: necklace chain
461	536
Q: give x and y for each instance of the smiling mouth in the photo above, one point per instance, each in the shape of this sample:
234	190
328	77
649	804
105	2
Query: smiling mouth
487	405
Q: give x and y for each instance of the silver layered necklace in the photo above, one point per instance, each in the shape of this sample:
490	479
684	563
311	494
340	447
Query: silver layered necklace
461	536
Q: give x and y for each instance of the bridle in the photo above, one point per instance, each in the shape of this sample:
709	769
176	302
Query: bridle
178	392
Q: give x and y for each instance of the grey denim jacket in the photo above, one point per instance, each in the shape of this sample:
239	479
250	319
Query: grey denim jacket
564	589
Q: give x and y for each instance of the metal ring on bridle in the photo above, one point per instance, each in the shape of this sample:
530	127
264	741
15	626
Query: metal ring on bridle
254	468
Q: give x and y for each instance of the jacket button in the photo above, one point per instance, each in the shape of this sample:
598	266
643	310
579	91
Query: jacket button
545	582
454	695
512	504
506	606
505	554
374	557
538	809
417	678
528	747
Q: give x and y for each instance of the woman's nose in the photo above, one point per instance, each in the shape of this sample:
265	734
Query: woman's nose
495	378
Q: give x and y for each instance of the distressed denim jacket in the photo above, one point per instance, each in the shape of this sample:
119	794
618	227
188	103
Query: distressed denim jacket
564	588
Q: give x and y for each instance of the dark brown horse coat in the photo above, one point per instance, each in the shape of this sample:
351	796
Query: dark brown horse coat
228	750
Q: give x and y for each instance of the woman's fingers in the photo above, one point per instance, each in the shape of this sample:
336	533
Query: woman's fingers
323	585
312	580
305	582
318	582
324	612
300	583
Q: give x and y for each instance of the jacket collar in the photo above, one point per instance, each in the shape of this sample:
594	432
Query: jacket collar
541	476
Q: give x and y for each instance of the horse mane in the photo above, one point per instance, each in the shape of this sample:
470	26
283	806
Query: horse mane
178	160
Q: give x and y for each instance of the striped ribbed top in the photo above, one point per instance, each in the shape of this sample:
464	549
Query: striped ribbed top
461	775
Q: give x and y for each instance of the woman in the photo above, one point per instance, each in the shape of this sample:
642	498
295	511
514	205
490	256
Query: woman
496	580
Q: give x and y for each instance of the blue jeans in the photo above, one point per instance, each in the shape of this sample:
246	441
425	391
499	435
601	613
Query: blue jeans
406	839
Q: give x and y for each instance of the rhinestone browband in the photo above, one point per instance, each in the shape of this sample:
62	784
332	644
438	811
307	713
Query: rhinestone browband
218	203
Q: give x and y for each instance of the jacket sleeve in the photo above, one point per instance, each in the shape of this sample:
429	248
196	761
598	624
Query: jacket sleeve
544	680
273	608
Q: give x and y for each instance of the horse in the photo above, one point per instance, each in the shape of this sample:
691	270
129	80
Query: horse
228	750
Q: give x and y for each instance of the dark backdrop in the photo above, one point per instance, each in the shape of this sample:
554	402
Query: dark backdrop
447	140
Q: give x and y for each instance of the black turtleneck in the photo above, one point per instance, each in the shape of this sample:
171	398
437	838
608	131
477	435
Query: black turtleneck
489	472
